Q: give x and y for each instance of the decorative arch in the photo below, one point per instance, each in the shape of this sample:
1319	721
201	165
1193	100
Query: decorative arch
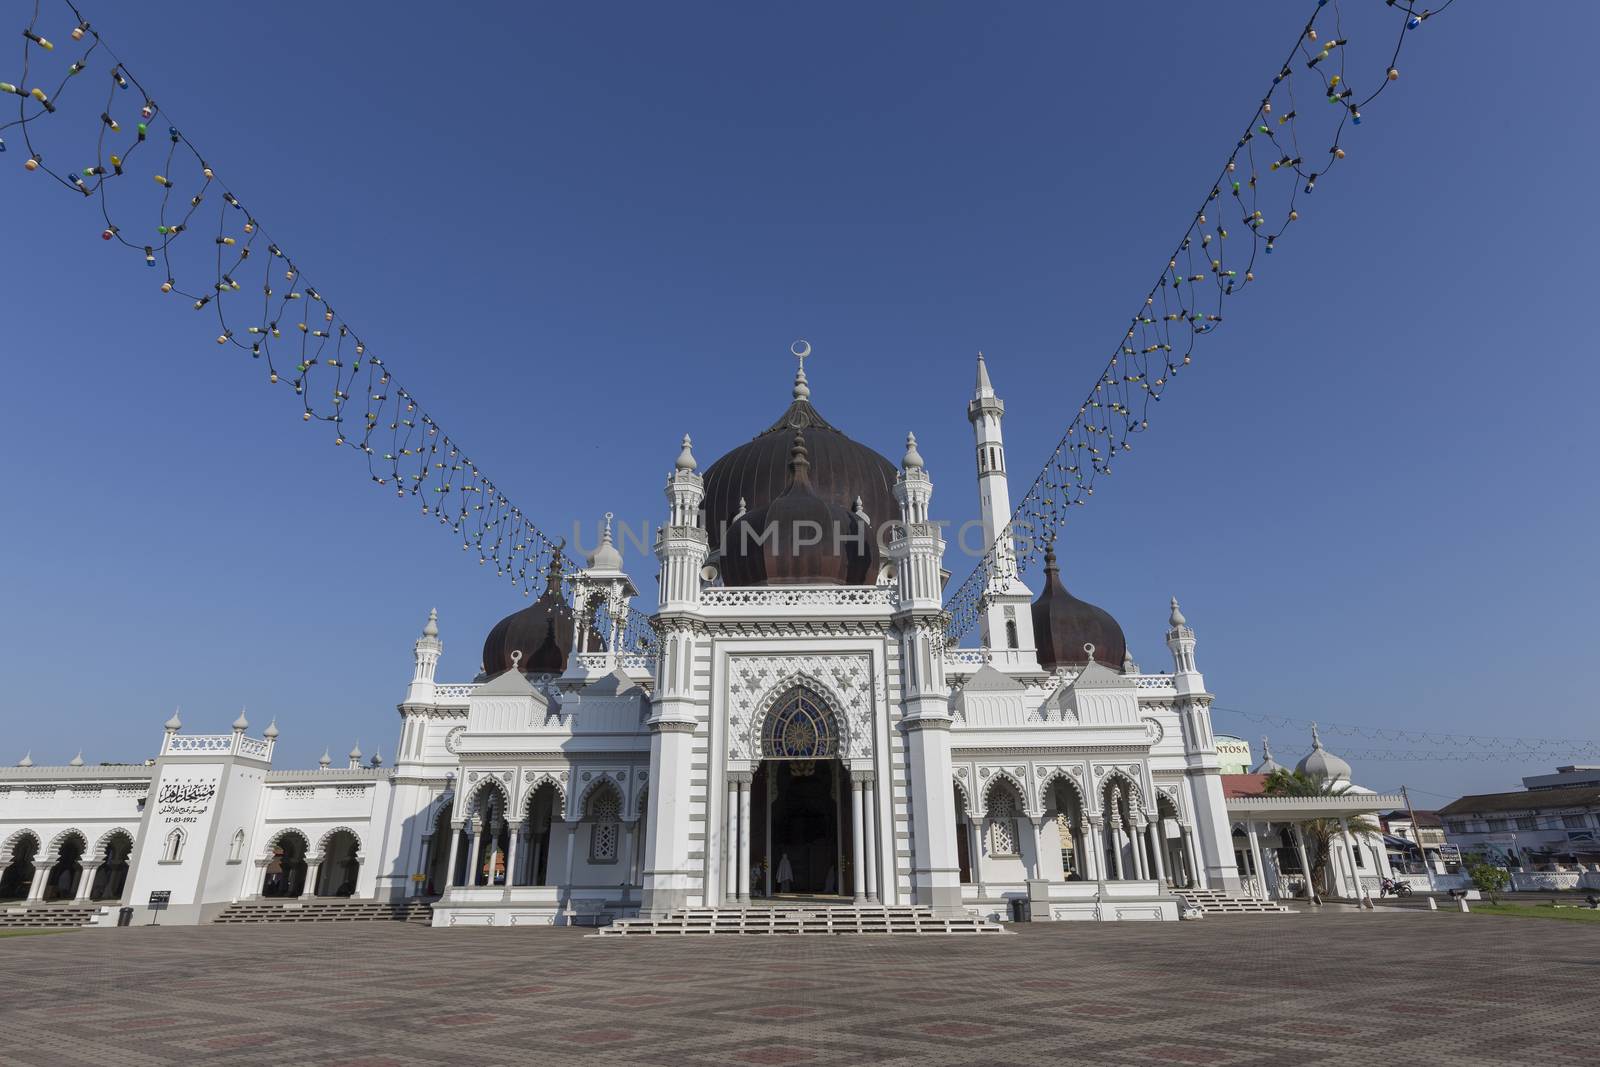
472	804
104	840
1135	793
996	774
590	792
322	842
1167	804
17	838
543	779
826	708
641	802
964	793
1047	786
276	840
67	835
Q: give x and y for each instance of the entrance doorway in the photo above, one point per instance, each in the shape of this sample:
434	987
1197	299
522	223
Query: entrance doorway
802	830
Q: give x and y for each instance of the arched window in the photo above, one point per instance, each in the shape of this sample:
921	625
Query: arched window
1003	823
1011	633
799	727
236	847
172	850
605	830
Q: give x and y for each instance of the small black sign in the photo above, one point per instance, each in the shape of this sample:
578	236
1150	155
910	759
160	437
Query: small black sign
159	899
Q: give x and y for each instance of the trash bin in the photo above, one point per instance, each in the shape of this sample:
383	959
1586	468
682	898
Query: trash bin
124	916
1021	910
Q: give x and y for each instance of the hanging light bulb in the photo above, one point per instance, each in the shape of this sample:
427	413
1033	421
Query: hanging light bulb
108	233
40	41
166	286
79	30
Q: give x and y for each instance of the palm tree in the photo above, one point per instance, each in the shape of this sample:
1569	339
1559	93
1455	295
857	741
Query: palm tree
1325	834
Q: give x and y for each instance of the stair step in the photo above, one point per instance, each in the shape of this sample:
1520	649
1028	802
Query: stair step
808	920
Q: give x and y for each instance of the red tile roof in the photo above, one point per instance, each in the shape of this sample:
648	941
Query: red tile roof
1243	785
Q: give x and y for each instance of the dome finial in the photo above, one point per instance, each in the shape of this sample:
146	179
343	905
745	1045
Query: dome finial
799	461
325	760
1316	738
26	760
985	388
686	456
271	732
174	723
800	350
913	458
241	724
606	557
431	627
76	761
1176	619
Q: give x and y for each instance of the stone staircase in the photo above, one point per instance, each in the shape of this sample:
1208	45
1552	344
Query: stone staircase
419	912
48	916
828	919
1213	902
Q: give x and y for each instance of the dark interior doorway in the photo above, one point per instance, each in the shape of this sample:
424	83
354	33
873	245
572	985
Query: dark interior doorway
804	803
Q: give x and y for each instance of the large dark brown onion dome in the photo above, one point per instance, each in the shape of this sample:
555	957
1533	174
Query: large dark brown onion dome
1063	624
542	633
799	538
841	471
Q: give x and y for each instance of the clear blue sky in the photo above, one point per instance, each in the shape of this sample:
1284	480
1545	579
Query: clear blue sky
582	230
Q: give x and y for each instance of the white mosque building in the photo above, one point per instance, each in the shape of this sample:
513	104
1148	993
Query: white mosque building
799	731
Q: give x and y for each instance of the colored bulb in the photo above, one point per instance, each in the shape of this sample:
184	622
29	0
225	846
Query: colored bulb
108	233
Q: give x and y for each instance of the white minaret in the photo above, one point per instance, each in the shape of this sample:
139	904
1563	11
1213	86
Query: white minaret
1006	627
671	880
918	553
425	654
1200	757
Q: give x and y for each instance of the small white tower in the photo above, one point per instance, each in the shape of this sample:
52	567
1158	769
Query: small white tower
603	594
1180	639
425	654
1006	626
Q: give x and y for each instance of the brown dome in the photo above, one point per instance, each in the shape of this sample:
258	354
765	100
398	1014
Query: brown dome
541	633
797	539
1063	624
839	472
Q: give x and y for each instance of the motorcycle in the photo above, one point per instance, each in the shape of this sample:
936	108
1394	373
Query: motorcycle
1398	887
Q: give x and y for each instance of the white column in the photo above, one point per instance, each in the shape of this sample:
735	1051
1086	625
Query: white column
86	874
1196	872
41	873
869	795
1305	864
455	844
858	871
1116	845
572	847
511	856
1349	851
1255	857
1141	863
313	875
1094	849
744	840
935	871
975	849
731	840
476	854
1158	842
669	877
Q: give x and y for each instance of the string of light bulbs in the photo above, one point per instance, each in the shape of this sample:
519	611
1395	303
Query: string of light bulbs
159	197
1296	136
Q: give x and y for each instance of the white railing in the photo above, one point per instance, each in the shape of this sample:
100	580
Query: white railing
1153	681
181	743
254	747
802	597
967	657
447	691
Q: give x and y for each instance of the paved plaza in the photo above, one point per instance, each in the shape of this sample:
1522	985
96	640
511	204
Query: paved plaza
1411	987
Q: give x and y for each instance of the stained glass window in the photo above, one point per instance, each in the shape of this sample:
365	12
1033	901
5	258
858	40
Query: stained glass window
798	728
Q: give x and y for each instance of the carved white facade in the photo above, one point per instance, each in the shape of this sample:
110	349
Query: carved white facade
820	740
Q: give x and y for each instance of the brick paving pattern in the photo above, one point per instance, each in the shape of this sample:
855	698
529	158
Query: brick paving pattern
1410	987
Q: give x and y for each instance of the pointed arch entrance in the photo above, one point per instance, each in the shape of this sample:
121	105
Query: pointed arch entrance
800	840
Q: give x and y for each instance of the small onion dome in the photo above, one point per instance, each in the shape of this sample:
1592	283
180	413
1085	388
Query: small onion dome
26	760
355	751
606	557
1268	764
271	732
1322	765
799	538
174	723
1063	624
541	634
841	471
241	724
76	761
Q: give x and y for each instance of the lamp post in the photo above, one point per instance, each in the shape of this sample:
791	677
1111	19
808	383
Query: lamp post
1416	832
